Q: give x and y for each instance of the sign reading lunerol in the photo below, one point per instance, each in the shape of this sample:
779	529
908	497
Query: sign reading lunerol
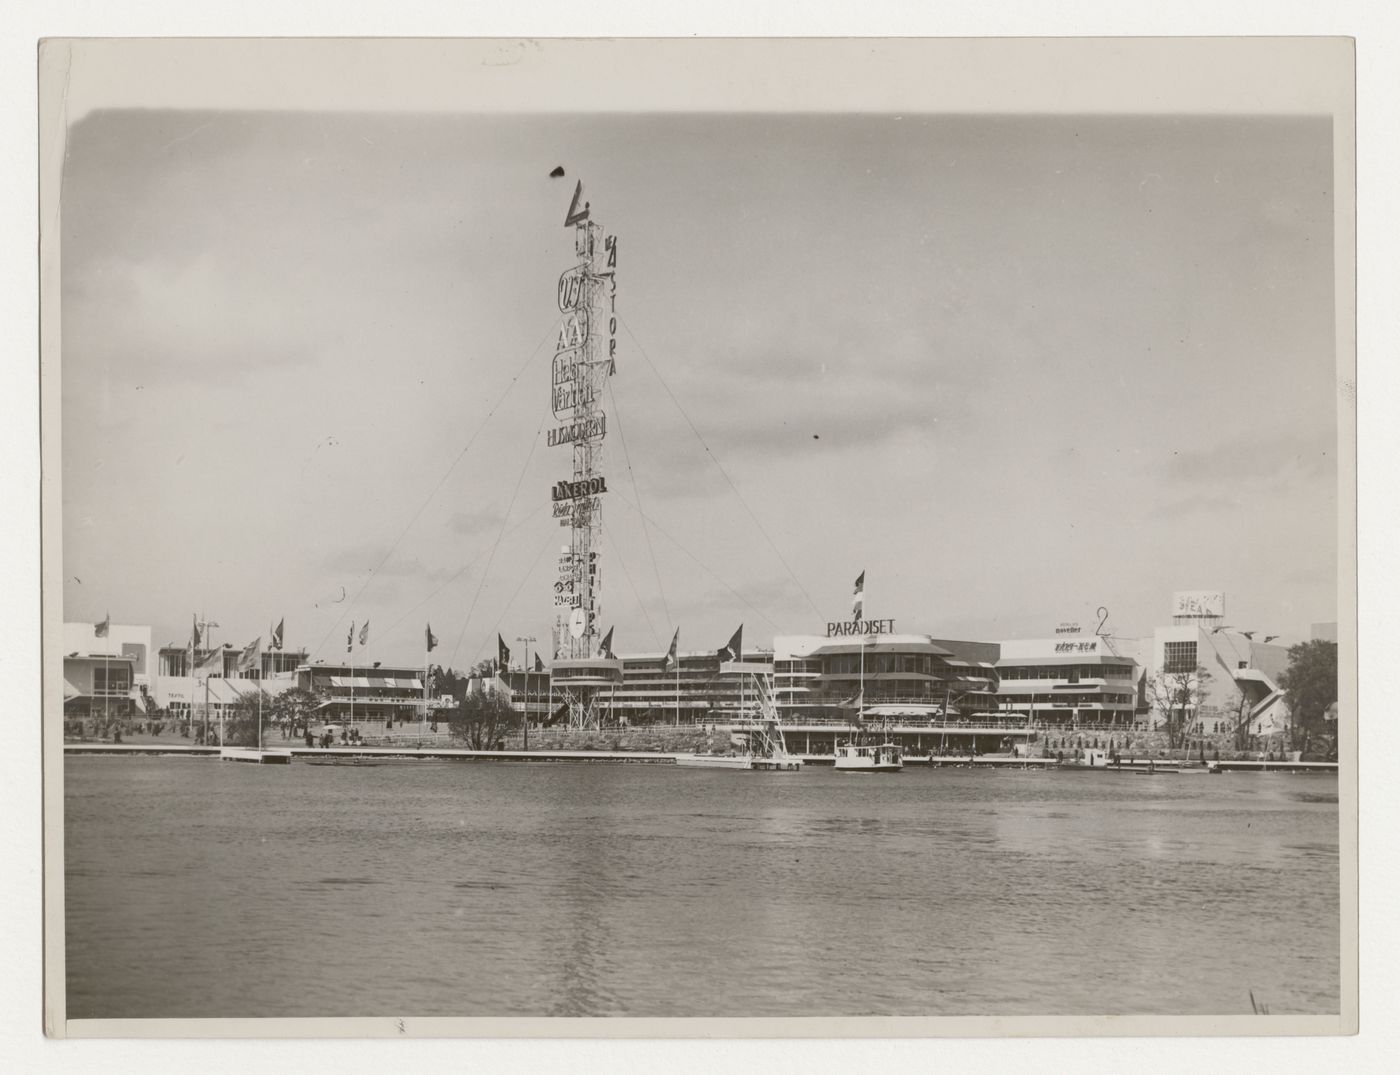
840	629
567	490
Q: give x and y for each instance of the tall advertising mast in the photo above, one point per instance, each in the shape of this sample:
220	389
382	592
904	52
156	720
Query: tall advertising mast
584	359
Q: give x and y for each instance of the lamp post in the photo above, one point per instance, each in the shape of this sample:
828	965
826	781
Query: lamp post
525	723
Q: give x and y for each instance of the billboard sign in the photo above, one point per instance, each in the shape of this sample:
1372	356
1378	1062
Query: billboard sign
589	429
1205	604
574	490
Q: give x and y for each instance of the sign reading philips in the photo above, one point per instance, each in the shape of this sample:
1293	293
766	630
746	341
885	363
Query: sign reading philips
859	627
567	490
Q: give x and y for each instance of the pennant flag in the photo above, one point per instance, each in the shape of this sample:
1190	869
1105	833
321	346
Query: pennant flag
606	648
211	665
249	657
350	638
275	642
431	638
197	636
671	658
859	605
101	629
364	634
502	653
735	649
539	664
576	215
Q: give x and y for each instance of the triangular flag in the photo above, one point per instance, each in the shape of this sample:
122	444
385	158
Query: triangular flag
102	629
431	638
364	634
197	635
276	640
539	664
502	653
671	658
859	605
605	649
734	651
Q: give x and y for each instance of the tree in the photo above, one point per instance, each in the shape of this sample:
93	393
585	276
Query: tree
241	720
292	706
1310	687
1178	696
1240	711
481	719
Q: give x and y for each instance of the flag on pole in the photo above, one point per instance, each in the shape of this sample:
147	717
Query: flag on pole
364	634
671	659
211	665
605	649
859	605
350	639
196	634
539	664
431	638
502	653
249	657
734	651
275	642
102	629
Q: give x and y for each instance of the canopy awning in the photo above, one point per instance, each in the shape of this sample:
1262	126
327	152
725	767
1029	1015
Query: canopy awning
380	682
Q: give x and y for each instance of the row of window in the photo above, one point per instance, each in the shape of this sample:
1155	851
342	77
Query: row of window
1070	673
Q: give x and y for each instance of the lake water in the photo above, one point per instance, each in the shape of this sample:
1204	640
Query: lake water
199	888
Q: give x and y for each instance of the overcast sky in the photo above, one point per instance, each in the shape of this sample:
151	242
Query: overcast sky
1013	368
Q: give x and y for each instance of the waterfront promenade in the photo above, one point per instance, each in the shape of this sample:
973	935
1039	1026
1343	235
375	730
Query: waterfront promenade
407	753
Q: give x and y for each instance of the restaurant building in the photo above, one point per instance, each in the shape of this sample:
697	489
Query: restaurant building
885	675
1073	680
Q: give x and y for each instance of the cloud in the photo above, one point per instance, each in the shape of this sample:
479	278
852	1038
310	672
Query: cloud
472	523
1270	460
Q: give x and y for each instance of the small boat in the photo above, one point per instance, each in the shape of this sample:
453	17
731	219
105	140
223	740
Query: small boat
256	755
345	760
1095	758
857	757
861	754
755	738
758	745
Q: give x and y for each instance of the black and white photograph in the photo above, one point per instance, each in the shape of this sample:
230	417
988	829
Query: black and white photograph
661	534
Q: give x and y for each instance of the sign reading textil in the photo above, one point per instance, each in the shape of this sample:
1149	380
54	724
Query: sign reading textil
859	627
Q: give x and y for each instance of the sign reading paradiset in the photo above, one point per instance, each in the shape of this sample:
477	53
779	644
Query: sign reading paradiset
859	627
